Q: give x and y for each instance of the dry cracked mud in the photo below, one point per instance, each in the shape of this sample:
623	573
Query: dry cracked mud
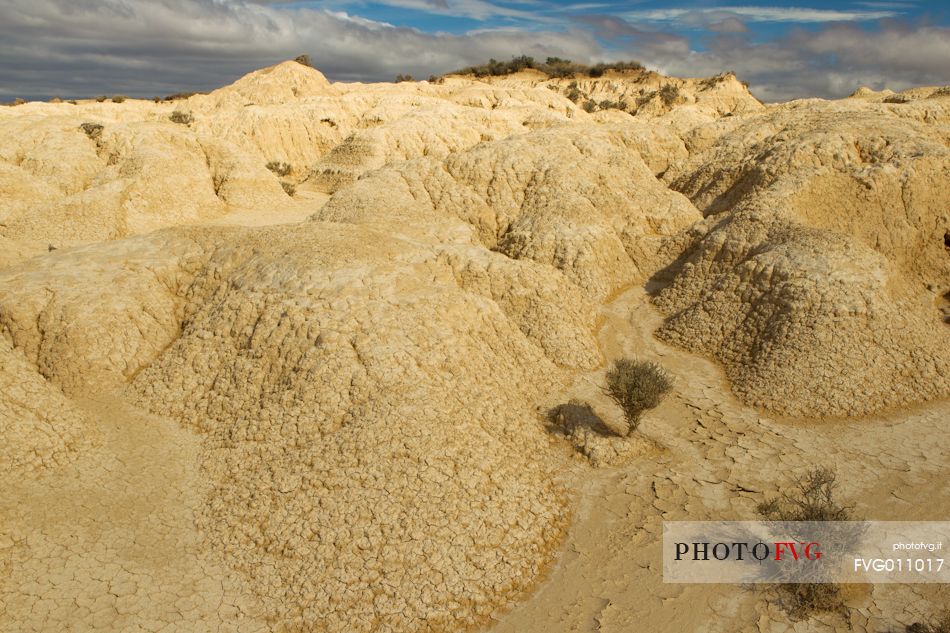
286	364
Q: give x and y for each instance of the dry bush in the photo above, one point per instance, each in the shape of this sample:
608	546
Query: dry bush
19	101
92	130
940	624
184	118
813	499
328	121
401	78
101	98
636	386
669	95
289	189
119	98
554	67
304	60
181	95
280	168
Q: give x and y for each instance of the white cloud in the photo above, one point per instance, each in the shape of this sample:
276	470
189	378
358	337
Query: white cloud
154	47
762	14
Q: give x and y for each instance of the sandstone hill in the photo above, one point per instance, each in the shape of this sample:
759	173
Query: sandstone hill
345	305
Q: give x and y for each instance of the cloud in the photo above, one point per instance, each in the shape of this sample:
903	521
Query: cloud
829	62
761	14
728	25
155	47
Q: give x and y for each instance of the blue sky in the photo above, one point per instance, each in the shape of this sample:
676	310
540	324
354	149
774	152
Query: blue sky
783	50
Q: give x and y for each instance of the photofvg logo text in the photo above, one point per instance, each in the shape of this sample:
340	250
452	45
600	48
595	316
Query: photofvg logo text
760	551
804	551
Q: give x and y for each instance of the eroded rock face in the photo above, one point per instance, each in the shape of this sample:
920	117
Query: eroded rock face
374	457
360	389
814	279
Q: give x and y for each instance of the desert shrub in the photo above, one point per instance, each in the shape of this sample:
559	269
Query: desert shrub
401	78
636	386
554	67
941	92
589	106
812	499
573	93
801	600
19	101
184	118
180	95
92	130
897	99
56	100
436	79
940	624
101	98
304	60
328	121
157	99
278	167
72	102
119	98
289	189
669	94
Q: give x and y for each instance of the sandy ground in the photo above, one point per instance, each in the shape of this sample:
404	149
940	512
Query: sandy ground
715	458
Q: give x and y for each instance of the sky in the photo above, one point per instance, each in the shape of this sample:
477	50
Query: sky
145	48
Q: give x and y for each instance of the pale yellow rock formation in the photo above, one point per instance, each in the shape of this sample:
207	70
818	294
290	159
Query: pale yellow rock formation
335	417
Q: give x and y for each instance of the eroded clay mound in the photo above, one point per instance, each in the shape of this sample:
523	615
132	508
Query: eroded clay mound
370	431
82	177
815	280
807	322
91	317
39	427
578	200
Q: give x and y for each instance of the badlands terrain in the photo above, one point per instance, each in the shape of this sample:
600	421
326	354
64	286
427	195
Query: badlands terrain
281	357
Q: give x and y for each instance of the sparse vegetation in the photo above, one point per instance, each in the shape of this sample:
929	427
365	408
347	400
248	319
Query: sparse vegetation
184	118
436	79
813	499
940	624
19	101
289	189
328	121
280	168
589	106
401	78
101	98
669	95
92	130
573	92
304	60
181	95
119	98
636	386
554	67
